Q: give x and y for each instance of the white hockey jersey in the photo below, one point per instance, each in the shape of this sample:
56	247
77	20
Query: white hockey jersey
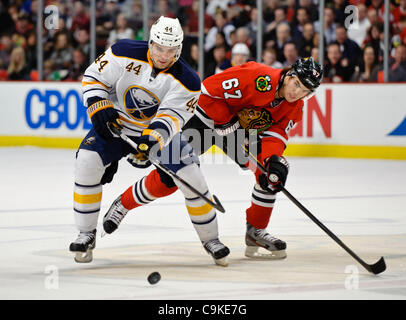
124	74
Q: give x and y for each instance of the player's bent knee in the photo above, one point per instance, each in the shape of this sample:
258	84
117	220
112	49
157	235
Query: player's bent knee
89	167
194	176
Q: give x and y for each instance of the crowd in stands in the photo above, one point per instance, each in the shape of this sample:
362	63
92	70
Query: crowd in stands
353	39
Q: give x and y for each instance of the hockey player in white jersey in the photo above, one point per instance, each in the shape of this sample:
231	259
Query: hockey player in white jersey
149	91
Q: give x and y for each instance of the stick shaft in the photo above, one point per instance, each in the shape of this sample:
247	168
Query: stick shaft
161	166
313	218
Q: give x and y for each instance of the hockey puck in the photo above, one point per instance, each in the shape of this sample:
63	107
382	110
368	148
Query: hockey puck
154	277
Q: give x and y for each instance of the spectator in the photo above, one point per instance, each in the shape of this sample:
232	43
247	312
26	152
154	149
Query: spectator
269	58
62	53
121	31
242	35
397	71
374	39
222	25
193	58
109	14
269	10
305	43
339	11
282	37
290	53
311	9
329	25
49	69
337	69
79	65
162	9
6	22
290	10
219	56
301	18
252	27
348	47
134	18
357	30
6	47
81	19
213	7
31	51
399	13
373	16
17	69
367	70
239	55
192	20
270	30
23	25
315	54
82	41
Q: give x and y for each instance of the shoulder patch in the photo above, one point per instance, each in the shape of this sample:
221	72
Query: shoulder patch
263	83
133	49
184	73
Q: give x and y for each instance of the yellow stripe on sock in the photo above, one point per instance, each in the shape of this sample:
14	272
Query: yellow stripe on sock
88	198
199	211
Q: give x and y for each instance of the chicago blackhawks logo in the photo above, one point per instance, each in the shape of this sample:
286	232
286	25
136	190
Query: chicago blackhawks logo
255	119
263	83
140	103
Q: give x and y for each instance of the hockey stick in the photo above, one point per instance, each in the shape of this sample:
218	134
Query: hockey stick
375	268
216	204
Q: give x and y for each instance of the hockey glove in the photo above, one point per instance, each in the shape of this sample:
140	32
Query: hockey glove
109	173
101	113
139	160
229	127
150	140
277	172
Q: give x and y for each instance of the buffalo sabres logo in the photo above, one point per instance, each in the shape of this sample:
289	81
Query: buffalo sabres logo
140	103
263	83
90	140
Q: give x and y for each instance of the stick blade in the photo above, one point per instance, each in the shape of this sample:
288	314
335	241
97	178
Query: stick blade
378	267
219	206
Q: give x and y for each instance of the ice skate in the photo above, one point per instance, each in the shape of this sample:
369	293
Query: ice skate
255	239
218	251
114	216
83	246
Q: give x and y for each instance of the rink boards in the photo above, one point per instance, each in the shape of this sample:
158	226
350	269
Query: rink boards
340	120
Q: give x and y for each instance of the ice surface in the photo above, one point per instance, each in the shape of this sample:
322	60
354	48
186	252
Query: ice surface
361	201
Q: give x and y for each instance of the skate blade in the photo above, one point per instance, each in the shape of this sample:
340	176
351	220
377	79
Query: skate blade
84	257
103	234
221	262
253	252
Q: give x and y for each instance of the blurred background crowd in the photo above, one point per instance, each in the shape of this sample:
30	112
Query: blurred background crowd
353	48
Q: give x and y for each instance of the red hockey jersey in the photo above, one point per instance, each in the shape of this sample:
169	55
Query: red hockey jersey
251	86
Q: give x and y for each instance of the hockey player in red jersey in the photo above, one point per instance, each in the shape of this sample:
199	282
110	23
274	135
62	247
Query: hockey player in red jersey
262	101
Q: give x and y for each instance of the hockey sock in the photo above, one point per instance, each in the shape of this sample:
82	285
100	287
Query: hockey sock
145	191
202	214
259	213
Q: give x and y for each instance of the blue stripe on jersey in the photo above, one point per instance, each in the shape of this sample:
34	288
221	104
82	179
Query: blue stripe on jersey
134	49
181	70
185	74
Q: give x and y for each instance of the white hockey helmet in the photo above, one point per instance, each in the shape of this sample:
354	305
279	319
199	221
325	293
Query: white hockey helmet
167	32
240	48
